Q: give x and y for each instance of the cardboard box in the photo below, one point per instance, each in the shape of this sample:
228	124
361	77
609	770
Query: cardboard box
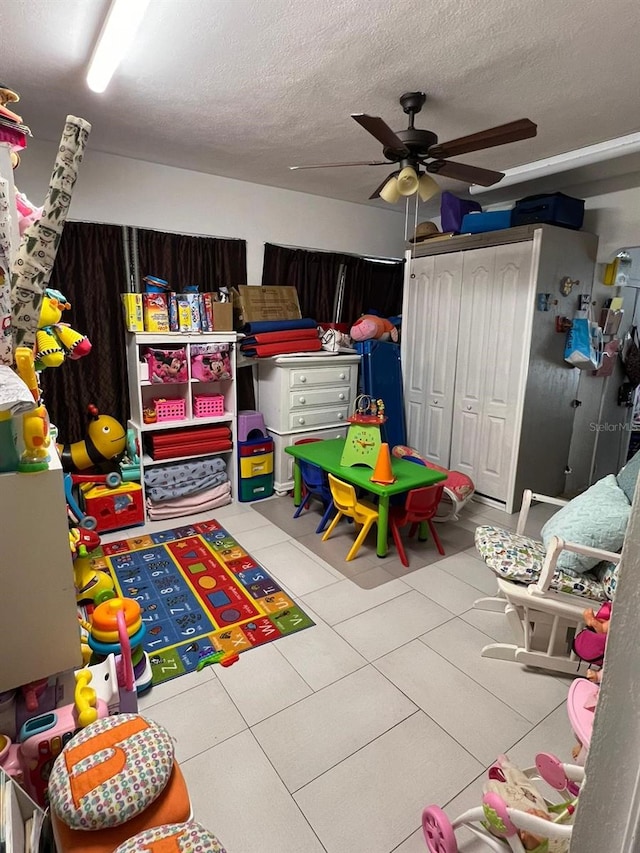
156	313
268	303
132	304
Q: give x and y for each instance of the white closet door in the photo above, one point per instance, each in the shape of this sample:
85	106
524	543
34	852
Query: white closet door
430	331
506	354
468	397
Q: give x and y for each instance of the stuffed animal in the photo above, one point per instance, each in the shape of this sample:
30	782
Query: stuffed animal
56	341
369	326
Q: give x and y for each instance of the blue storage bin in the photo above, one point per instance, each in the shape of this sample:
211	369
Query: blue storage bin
490	220
549	209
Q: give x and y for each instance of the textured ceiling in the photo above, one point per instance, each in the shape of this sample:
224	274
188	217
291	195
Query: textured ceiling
244	88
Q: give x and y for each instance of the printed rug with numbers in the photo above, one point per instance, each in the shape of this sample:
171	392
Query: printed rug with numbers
198	587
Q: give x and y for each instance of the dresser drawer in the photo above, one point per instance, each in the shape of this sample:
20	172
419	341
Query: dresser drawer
317	417
319	397
336	375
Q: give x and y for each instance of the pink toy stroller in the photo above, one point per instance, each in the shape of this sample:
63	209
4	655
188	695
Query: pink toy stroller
514	814
458	488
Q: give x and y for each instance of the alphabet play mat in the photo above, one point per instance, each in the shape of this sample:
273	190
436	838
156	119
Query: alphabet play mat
198	587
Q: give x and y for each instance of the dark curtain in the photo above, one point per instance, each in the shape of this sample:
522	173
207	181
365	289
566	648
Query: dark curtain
313	274
90	271
372	286
182	259
368	285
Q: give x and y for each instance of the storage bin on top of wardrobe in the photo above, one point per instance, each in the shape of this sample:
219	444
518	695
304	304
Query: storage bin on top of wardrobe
487	390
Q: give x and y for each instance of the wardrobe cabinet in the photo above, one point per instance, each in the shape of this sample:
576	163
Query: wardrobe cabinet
487	390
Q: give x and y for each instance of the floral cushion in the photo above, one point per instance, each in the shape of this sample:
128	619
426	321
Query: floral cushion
519	558
608	574
178	837
110	772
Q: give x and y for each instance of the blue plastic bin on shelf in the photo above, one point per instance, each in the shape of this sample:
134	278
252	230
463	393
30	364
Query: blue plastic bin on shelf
490	220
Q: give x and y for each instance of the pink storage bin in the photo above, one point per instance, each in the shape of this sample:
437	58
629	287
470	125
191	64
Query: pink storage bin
208	406
170	410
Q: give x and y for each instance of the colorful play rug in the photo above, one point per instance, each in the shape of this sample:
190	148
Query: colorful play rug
197	588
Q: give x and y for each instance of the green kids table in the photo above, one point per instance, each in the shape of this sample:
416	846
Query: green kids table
327	454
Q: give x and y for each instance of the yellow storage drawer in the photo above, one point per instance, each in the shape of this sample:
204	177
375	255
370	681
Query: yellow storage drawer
256	466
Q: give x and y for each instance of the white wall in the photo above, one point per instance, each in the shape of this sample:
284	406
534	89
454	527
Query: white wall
122	191
615	217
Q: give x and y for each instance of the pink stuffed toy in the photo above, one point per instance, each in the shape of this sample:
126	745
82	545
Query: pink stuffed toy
370	326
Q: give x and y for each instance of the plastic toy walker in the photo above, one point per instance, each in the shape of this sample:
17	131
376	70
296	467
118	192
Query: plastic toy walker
514	814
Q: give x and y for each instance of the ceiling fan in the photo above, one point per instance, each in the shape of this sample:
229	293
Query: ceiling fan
413	149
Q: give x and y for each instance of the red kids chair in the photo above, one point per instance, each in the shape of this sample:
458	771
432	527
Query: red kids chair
421	505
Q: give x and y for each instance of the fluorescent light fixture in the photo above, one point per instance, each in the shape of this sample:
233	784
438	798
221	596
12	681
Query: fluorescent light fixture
598	153
116	38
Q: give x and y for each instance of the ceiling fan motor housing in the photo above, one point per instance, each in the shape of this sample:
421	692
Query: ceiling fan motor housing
417	141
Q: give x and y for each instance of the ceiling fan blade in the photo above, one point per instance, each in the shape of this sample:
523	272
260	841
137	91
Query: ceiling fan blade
523	128
376	192
462	172
335	165
382	132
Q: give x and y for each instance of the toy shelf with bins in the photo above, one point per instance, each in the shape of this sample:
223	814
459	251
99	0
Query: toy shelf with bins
184	413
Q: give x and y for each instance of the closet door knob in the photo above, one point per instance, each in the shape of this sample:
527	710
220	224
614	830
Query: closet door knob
340	396
342	376
302	399
340	416
300	420
303	379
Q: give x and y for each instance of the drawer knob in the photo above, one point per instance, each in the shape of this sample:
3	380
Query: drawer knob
342	376
303	379
469	408
300	420
302	399
340	416
340	396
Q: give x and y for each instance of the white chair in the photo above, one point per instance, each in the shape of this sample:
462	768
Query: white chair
543	604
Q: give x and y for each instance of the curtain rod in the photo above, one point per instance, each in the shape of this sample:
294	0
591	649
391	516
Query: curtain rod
379	260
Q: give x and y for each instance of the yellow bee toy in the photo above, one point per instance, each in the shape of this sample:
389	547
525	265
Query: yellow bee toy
56	341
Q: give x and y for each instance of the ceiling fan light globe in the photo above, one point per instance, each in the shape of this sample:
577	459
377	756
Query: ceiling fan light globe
427	187
407	181
389	191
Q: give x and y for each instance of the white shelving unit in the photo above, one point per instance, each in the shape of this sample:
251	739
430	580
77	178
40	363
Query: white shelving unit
143	391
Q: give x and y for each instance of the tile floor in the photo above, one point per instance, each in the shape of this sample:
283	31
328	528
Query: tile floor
335	738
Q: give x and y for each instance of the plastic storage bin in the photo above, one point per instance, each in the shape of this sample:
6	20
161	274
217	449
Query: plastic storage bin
210	406
490	220
256	488
170	410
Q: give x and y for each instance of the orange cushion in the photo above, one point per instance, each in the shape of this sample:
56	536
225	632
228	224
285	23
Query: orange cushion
172	806
110	771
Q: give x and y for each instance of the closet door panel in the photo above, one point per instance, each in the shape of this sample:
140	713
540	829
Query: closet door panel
429	353
509	300
414	347
470	371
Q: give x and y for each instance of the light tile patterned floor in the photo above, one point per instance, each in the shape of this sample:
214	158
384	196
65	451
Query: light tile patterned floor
335	738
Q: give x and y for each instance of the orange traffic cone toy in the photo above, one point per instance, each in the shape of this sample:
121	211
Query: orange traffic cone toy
383	472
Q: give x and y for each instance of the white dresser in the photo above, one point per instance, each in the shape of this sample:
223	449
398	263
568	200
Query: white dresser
304	397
